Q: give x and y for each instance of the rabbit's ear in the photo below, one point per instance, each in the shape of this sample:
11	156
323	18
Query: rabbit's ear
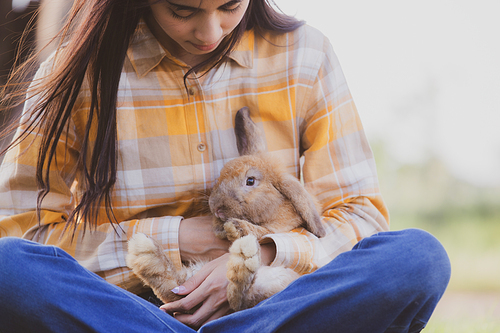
249	139
303	203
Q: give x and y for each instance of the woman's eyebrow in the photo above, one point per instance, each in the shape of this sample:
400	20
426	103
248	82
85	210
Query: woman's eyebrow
184	7
230	3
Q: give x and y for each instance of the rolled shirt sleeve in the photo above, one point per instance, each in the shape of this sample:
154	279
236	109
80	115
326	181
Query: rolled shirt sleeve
339	170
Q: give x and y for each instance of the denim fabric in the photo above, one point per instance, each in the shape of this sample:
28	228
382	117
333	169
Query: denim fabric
389	282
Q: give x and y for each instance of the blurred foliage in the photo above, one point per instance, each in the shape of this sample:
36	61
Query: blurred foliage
429	190
463	216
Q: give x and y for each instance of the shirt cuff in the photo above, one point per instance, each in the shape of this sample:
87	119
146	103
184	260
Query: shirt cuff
165	230
293	250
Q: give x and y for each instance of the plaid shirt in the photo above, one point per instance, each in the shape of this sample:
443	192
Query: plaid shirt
173	142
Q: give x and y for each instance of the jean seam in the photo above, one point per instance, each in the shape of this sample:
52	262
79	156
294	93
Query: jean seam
56	253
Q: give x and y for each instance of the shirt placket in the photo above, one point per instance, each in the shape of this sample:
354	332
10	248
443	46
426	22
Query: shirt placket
198	139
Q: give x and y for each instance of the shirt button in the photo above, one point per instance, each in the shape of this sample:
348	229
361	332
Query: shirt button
201	147
192	91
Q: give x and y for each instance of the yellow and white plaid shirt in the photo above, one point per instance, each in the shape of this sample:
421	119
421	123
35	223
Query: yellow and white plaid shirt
173	142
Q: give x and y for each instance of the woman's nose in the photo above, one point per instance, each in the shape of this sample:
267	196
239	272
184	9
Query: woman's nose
209	31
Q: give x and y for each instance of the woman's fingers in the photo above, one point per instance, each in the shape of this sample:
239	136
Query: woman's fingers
212	308
193	282
207	289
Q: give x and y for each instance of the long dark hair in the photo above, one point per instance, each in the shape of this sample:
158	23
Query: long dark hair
96	36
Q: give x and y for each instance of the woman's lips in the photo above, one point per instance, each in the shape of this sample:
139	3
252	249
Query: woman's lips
206	48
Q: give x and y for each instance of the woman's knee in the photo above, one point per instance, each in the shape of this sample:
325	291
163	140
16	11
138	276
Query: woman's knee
422	263
428	254
407	262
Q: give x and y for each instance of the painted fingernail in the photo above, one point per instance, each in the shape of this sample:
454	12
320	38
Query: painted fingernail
179	289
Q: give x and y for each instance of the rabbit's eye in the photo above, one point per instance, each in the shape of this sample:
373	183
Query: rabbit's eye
250	181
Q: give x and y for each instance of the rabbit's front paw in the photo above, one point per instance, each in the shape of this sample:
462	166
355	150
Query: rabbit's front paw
233	229
244	261
245	251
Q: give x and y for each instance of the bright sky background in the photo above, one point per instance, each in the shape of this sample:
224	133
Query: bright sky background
425	75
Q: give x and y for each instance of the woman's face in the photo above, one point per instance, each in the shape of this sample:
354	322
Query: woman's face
192	29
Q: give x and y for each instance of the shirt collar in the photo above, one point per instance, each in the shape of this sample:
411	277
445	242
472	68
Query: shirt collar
145	52
243	52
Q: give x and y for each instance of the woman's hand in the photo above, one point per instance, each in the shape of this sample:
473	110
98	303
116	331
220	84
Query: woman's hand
208	288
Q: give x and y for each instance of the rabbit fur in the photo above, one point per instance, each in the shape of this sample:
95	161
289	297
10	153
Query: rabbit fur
253	196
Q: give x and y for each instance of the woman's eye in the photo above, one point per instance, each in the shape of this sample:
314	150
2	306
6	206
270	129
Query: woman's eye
181	14
231	9
250	181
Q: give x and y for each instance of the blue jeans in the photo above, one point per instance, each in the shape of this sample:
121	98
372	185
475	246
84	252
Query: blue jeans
390	282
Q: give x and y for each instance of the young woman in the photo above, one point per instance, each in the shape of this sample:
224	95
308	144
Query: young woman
132	118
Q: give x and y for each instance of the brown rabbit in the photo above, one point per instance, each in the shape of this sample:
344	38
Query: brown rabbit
253	197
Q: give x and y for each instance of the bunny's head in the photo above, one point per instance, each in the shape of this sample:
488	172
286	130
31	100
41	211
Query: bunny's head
256	188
